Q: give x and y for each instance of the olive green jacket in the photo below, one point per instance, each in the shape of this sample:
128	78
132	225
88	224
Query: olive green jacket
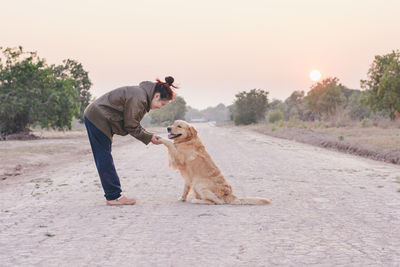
121	110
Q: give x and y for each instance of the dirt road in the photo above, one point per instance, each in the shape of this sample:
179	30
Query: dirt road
327	208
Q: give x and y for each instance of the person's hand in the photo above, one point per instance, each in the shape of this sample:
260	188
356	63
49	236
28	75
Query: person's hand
156	140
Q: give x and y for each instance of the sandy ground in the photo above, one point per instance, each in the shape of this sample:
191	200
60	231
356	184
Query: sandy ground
328	208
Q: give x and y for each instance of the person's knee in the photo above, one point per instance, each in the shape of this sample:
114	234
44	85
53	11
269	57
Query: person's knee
104	157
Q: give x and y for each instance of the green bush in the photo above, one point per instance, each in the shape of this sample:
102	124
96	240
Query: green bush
275	116
364	122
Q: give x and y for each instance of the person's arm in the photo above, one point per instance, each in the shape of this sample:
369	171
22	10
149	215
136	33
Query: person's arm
134	111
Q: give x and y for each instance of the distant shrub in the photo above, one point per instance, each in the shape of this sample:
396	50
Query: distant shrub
364	122
341	138
294	118
275	116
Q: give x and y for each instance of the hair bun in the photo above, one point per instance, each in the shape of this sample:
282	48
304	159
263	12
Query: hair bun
169	80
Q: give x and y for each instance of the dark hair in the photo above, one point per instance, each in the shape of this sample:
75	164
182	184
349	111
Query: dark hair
165	88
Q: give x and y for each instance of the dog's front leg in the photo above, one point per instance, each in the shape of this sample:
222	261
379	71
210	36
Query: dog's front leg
170	146
172	151
186	191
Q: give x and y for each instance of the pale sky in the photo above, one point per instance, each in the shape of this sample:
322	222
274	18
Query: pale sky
213	49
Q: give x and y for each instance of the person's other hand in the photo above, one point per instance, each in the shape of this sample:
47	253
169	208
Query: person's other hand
156	140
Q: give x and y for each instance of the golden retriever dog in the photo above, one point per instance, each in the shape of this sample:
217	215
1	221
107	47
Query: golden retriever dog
199	172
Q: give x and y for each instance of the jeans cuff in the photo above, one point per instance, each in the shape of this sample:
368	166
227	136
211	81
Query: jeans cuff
113	196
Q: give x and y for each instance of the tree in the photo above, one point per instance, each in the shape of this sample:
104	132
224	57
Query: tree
276	104
173	111
295	106
31	92
383	84
354	108
325	98
82	83
250	107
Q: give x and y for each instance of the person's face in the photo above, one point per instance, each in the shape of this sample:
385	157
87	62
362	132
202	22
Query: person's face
157	102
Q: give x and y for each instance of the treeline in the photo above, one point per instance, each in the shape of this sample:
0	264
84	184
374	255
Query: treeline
329	99
326	100
34	93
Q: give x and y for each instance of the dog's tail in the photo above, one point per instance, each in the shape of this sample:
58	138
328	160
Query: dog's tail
253	201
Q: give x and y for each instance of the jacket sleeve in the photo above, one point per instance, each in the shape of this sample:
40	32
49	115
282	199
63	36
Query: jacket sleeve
134	111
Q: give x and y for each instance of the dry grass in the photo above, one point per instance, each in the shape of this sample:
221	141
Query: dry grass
373	139
379	139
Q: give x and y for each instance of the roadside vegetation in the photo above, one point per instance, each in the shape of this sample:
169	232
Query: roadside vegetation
34	94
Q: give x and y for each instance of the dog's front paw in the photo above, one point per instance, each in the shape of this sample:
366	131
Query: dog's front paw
183	199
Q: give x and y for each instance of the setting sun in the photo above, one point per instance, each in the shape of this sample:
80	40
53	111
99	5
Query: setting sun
315	75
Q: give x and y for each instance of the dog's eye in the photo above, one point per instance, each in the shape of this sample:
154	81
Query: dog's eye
179	126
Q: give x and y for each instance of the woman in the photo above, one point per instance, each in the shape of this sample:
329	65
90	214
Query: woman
120	112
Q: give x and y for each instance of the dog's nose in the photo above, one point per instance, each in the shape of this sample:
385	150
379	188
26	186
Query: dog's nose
169	129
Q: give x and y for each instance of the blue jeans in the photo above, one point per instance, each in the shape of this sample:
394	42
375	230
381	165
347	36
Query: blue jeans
101	148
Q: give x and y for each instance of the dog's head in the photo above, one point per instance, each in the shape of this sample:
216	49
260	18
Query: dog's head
181	131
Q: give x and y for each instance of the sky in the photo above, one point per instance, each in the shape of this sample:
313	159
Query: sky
213	49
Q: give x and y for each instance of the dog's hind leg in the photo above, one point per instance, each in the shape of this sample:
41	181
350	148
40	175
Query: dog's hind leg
206	194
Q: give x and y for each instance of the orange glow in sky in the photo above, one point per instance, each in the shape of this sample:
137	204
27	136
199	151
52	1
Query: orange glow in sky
214	49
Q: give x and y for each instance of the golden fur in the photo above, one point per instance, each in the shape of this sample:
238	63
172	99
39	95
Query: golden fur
199	172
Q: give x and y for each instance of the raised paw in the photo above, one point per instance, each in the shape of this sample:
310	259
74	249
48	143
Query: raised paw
165	141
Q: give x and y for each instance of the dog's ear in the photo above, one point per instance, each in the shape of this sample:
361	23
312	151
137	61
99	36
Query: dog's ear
192	131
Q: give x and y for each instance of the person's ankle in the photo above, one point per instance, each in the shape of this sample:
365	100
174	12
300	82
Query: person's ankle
114	197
